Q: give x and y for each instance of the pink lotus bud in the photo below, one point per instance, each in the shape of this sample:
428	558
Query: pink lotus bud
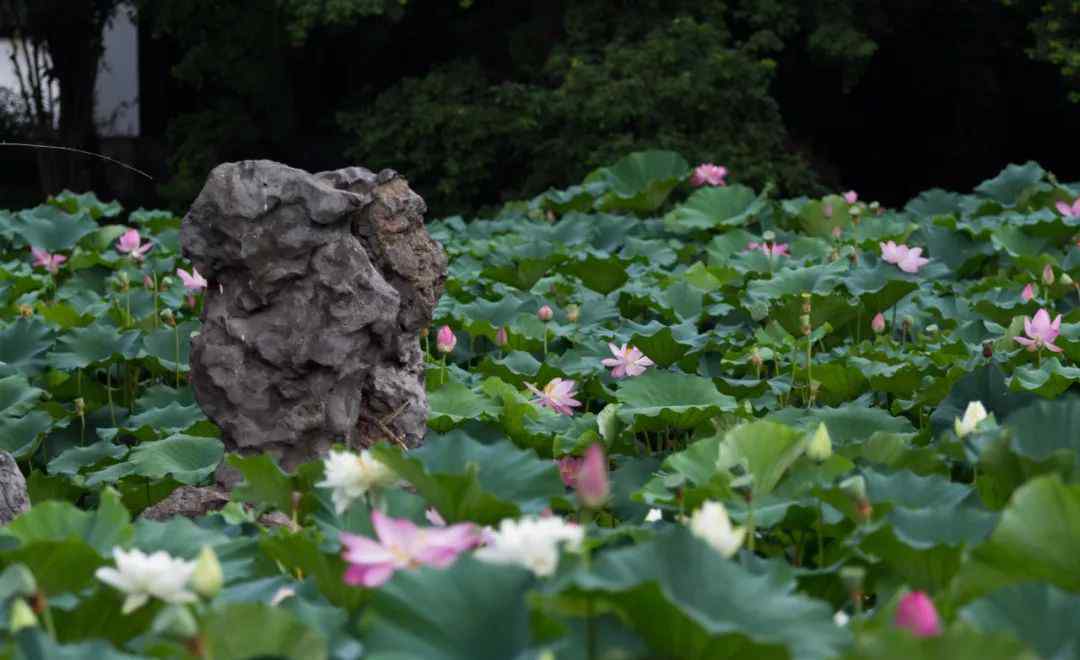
445	340
544	313
501	338
878	324
148	283
592	478
916	613
1028	293
851	197
1048	275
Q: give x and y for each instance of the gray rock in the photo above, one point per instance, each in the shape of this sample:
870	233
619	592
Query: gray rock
14	499
319	285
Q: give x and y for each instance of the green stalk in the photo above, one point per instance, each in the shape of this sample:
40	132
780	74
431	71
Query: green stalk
176	334
108	391
750	523
809	376
443	382
820	535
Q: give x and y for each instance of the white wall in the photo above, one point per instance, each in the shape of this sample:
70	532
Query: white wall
117	105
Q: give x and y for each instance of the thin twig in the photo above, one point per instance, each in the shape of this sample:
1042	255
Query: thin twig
78	151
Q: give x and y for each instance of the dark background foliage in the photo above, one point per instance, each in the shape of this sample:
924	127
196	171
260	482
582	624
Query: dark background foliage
480	102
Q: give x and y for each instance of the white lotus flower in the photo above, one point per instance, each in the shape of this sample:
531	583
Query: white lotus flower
531	542
974	414
654	515
350	476
711	524
142	576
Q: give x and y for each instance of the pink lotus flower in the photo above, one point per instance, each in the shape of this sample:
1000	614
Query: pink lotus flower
1068	211
557	395
1028	293
708	174
544	313
501	338
1041	332
433	516
851	197
568	469
878	324
912	261
892	253
401	545
774	250
916	613
592	479
130	243
50	262
1048	275
193	281
445	341
628	361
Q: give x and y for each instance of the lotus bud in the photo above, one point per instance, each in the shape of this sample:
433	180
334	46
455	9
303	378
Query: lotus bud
820	447
874	206
855	487
573	312
855	210
1028	293
148	283
445	341
1048	275
768	236
916	613
988	349
592	478
755	358
207	579
167	317
424	332
878	324
21	616
501	338
26	311
544	313
1066	280
80	406
932	329
974	414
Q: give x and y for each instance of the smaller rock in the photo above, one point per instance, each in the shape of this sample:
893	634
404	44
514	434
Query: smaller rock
188	501
14	499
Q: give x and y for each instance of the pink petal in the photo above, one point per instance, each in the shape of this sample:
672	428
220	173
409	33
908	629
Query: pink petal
393	531
1064	209
1053	348
1030	343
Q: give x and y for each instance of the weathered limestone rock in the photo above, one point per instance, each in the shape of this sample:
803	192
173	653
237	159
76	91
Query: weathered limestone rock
14	499
319	285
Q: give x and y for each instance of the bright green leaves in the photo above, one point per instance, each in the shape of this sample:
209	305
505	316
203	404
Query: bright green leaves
20	422
93	344
51	229
659	400
639	182
713	207
453	403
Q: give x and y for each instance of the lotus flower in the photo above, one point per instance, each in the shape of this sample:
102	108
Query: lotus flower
916	613
974	414
708	174
893	253
193	281
878	324
50	262
592	479
349	476
445	341
401	545
1041	332
851	197
1048	275
628	361
501	338
568	469
773	250
130	243
711	524
558	395
912	261
141	577
654	515
1028	293
544	313
531	542
1068	211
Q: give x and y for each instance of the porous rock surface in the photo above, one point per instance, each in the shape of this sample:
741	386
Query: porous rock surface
319	285
14	498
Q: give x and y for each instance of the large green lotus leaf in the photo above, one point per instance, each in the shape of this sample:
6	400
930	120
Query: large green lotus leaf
712	207
986	384
467	480
158	422
1038	539
901	379
517	410
848	423
1008	186
35	644
514	367
820	218
693	473
878	285
264	482
20	423
71	461
766	450
640	182
107	526
1040	615
1045	427
684	300
658	400
600	273
574	198
955	249
626	479
240	631
51	229
494	315
453	403
655	252
1048	380
469	611
957	643
688	602
186	458
178	536
161	345
69	202
23	344
820	279
934	202
93	344
302	553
